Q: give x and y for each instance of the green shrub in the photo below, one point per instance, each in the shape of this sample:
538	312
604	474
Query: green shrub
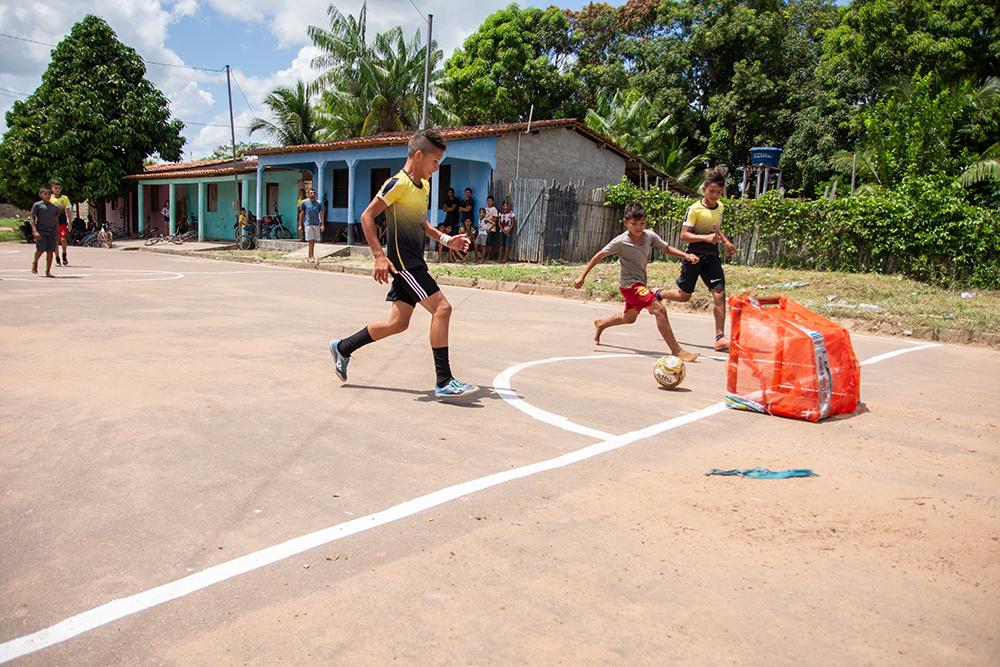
923	228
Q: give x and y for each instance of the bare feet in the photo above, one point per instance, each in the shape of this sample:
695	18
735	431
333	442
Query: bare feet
49	275
598	330
687	356
34	270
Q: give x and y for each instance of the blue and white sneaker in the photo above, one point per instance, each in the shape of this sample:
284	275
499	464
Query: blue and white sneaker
339	361
454	389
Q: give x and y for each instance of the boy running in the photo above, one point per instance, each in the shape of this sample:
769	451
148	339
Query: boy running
62	202
702	231
634	248
44	227
405	199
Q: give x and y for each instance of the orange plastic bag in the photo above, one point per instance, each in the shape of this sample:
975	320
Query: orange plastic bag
788	361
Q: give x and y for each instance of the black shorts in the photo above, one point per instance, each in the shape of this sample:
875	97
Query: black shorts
709	268
412	287
48	242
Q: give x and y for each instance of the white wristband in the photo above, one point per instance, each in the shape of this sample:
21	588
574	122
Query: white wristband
445	239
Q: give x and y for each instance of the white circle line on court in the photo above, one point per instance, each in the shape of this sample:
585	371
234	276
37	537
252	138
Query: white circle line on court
117	609
127	275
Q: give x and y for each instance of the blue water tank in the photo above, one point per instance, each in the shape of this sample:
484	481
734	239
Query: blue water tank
765	156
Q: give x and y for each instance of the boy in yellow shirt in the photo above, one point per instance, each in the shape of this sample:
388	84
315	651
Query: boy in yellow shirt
702	231
62	202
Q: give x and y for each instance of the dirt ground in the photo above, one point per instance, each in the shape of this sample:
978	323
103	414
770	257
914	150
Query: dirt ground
164	415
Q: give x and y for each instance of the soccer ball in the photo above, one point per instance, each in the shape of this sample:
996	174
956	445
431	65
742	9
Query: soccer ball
669	371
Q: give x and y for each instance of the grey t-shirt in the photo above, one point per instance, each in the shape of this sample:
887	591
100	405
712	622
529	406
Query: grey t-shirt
46	217
634	256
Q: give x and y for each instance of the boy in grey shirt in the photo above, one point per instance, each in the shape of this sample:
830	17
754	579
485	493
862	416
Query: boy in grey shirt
634	248
45	227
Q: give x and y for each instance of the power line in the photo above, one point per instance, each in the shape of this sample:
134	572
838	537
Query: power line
148	62
244	96
419	12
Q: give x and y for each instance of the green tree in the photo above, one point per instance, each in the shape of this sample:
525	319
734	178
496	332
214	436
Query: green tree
640	126
295	120
94	119
918	128
878	41
371	87
517	58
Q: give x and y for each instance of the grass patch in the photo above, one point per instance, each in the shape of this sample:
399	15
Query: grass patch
892	304
866	301
10	229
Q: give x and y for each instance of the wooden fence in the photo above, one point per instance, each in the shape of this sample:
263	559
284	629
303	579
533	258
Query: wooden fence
561	223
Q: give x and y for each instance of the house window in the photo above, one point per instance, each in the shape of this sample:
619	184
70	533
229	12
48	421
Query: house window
444	173
341	188
272	198
213	197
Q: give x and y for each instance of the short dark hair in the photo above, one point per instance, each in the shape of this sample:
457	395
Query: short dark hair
468	189
713	175
42	190
489	197
634	211
55	181
426	140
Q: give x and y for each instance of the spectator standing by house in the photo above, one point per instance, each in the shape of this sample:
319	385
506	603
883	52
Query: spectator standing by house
45	228
165	212
490	222
311	223
61	201
481	236
507	224
466	208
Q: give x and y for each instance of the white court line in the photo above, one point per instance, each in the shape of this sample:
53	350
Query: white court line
896	353
126	275
133	604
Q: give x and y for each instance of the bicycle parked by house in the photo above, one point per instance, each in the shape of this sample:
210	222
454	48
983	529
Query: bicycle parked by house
99	237
246	236
164	238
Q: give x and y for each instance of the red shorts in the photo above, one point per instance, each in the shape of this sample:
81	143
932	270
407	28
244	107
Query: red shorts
638	297
63	232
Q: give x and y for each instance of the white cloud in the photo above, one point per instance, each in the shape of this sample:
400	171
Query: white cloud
143	24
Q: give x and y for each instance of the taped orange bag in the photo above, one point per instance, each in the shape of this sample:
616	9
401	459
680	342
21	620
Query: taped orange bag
788	361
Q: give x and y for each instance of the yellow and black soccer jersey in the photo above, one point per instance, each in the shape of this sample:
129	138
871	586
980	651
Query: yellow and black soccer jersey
407	210
702	218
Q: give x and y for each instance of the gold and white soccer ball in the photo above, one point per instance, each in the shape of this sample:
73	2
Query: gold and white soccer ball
669	371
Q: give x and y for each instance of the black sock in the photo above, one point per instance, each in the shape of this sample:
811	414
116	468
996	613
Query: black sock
348	345
441	365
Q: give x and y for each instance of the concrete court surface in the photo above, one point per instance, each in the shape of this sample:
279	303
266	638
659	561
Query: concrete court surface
162	415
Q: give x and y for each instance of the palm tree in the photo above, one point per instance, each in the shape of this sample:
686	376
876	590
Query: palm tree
368	88
635	123
987	168
296	120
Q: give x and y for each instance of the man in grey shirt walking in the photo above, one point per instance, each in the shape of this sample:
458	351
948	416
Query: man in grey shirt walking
45	227
634	248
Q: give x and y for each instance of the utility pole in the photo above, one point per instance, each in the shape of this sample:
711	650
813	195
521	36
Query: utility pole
232	138
427	71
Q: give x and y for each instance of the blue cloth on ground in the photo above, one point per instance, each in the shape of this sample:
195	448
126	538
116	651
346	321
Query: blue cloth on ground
764	473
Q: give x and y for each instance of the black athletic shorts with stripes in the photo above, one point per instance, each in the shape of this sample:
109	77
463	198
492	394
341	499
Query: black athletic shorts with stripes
413	286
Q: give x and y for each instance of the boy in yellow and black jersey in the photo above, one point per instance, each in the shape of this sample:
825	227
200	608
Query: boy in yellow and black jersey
404	199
